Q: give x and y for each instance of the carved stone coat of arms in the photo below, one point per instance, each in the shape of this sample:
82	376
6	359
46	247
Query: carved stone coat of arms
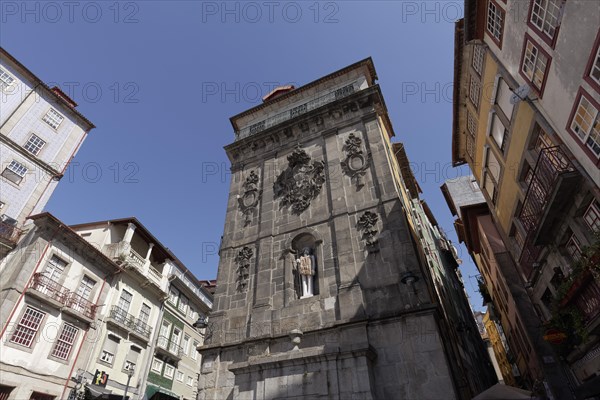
300	182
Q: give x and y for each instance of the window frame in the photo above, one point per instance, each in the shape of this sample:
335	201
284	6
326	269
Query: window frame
172	368
159	362
39	147
497	41
474	79
19	166
60	339
35	330
540	49
5	89
591	64
594	210
480	60
49	120
583	142
550	41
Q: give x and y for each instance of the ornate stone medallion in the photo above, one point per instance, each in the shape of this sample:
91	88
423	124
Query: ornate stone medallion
300	182
249	200
356	162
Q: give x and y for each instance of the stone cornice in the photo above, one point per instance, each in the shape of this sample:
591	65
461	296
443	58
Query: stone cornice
287	133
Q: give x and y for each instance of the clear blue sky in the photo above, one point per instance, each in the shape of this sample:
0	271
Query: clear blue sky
161	79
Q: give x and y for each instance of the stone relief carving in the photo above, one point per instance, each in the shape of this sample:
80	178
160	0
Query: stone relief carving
366	224
248	202
356	162
300	182
242	261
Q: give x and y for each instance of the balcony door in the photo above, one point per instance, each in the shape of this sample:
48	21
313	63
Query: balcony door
175	339
55	268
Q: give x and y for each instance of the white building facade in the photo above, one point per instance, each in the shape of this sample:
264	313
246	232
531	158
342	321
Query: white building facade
40	132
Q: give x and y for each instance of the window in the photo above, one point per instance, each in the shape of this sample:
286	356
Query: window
169	371
186	345
129	366
541	140
157	365
27	327
474	91
499	132
111	344
472	131
478	54
183	304
495	22
175	339
586	124
55	268
179	376
592	216
34	144
85	287
107	357
145	313
194	354
547	299
6	80
503	98
535	64
53	118
15	172
131	359
64	342
545	17
190	381
491	175
164	329
125	300
573	247
192	313
173	295
594	69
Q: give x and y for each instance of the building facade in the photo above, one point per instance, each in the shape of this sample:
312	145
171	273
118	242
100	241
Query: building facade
526	120
320	291
82	309
53	287
176	363
40	132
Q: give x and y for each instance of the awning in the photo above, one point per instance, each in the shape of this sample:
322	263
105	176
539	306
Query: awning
154	392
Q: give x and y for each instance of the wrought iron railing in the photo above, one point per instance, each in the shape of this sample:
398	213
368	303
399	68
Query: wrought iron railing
81	305
135	324
551	164
299	110
49	287
57	292
170	346
10	233
584	295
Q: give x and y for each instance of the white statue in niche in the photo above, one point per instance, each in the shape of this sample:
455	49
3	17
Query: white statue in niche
306	269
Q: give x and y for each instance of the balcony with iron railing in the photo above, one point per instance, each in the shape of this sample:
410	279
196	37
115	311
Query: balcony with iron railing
551	184
584	295
168	348
134	326
50	291
9	234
